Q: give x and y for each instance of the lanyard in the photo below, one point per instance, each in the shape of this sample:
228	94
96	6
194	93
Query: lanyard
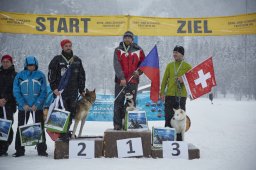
126	49
178	84
176	72
68	61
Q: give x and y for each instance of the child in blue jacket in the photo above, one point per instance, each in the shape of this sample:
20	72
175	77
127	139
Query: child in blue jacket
29	89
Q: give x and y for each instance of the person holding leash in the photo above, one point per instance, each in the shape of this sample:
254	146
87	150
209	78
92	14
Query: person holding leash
127	58
75	83
173	91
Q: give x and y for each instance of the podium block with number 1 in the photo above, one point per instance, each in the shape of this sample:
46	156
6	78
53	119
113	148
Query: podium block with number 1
129	147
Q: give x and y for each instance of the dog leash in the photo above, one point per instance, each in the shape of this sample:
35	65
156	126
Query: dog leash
179	91
177	81
123	88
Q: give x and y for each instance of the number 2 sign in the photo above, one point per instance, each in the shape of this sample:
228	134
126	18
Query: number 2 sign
81	149
129	147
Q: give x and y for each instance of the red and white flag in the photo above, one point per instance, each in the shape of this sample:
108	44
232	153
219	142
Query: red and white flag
200	80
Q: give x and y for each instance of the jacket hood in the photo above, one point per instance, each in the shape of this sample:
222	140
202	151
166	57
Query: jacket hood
30	60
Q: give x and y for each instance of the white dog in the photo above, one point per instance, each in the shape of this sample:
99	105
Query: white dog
179	122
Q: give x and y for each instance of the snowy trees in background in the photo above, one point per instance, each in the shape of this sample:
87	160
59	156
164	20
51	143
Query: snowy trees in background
234	66
233	56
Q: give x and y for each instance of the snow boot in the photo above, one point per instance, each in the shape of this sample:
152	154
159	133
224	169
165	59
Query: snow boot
18	154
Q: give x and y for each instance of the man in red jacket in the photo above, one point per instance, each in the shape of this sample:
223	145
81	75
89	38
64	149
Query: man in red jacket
127	58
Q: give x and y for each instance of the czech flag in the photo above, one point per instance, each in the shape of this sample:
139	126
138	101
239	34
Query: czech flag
150	67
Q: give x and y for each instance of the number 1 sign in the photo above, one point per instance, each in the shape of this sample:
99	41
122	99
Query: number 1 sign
129	147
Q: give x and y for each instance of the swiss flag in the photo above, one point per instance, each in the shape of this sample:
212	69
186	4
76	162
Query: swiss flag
200	80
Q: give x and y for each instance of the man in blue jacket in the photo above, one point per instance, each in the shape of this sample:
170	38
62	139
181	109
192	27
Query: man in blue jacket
29	89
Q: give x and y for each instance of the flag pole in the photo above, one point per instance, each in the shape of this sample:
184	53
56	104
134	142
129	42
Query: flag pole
157	42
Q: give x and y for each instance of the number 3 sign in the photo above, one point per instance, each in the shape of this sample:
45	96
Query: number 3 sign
81	149
129	147
175	149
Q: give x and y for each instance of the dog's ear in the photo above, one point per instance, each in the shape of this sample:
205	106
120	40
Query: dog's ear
94	90
174	110
87	91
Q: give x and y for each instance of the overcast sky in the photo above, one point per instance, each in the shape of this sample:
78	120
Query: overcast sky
165	8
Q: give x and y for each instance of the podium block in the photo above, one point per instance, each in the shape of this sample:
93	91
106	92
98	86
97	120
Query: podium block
111	136
62	147
193	152
61	150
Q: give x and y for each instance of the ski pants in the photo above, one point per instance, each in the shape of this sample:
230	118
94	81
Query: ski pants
171	102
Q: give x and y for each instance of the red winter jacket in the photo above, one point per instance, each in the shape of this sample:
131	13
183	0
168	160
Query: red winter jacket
126	63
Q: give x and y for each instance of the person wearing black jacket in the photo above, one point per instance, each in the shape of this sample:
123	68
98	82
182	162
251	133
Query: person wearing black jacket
7	100
76	82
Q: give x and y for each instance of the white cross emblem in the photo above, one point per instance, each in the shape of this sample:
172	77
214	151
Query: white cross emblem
202	78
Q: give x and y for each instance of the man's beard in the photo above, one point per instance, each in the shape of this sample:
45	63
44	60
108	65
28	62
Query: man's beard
127	43
68	51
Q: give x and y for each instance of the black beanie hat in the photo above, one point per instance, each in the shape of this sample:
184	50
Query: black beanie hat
128	34
179	49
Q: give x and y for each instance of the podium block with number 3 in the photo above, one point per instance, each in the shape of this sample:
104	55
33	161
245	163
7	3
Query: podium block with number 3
175	149
81	149
129	147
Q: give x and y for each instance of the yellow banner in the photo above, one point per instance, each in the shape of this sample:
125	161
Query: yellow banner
212	26
62	24
19	23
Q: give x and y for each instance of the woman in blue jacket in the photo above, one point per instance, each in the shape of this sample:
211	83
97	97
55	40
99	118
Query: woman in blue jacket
29	89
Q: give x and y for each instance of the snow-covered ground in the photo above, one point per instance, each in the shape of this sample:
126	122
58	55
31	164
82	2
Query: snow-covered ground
224	132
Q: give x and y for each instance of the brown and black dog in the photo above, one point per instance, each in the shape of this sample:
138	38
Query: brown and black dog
82	109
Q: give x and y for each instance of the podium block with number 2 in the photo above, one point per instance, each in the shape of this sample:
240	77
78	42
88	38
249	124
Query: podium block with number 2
129	147
175	149
81	149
